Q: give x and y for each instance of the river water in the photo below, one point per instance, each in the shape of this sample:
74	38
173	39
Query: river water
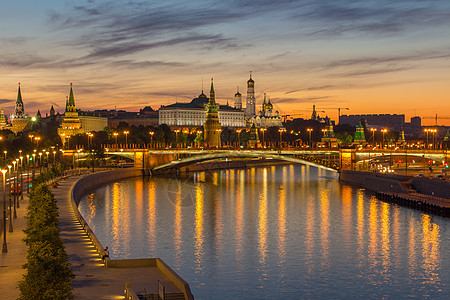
281	232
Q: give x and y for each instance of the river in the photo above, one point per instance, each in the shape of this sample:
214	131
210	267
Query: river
280	232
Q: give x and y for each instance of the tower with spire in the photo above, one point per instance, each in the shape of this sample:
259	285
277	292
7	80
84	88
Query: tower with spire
250	109
71	124
18	119
2	120
238	100
212	127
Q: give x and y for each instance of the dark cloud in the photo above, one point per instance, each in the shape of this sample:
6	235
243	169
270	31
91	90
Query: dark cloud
297	100
313	88
6	101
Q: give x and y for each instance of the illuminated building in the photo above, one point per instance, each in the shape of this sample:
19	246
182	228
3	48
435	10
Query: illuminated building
212	125
18	119
250	109
71	124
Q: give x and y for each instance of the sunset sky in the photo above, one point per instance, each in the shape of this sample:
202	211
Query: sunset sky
372	56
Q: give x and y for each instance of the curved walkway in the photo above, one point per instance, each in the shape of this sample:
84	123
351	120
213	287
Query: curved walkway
92	279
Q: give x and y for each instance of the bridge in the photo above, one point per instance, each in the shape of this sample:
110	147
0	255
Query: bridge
173	160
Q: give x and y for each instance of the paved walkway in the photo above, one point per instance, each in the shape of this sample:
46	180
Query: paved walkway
11	271
93	280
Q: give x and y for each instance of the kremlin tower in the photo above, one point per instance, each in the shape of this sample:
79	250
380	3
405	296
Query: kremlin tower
212	126
71	124
18	119
238	100
250	109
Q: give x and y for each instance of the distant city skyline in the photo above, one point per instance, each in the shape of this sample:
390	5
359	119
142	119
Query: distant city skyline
372	57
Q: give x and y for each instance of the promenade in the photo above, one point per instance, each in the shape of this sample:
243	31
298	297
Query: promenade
11	271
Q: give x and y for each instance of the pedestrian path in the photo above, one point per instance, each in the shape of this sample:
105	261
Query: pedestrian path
11	263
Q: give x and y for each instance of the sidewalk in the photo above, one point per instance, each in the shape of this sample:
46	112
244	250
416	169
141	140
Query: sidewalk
11	271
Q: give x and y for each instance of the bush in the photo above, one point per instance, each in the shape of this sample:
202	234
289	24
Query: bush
48	274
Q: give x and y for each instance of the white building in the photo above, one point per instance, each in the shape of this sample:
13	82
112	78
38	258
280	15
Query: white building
266	116
193	114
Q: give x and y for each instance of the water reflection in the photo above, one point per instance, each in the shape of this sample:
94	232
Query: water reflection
280	230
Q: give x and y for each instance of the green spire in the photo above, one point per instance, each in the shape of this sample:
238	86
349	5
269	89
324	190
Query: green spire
359	135
71	98
212	106
19	96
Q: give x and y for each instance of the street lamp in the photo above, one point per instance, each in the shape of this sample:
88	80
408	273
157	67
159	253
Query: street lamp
126	132
239	135
263	141
151	137
115	135
309	133
5	155
40	163
34	164
54	155
176	137
382	142
373	134
427	130
37	139
10	216
281	130
434	133
5	246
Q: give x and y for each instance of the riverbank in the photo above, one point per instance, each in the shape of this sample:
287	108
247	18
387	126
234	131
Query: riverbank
424	194
97	279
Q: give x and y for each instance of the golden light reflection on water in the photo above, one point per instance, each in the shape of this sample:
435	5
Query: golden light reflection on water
324	224
116	213
346	196
360	224
430	249
310	235
282	225
262	220
139	209
373	233
177	236
198	233
385	237
412	254
151	215
239	228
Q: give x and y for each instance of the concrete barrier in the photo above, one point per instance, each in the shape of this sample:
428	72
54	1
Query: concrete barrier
374	181
97	179
434	187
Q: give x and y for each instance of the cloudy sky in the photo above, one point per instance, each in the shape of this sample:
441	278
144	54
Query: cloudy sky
373	56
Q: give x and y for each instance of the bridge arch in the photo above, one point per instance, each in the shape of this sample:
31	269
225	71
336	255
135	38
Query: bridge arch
201	157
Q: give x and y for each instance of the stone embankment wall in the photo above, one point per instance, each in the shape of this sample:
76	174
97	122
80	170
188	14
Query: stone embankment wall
432	187
97	179
375	181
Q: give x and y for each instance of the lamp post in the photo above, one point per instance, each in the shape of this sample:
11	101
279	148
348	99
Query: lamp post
309	133
281	133
426	130
176	137
34	164
382	142
219	131
115	134
151	138
434	134
126	132
107	157
16	189
5	152
40	163
239	140
37	139
21	181
373	134
263	141
46	152
5	246
10	212
28	174
54	156
199	132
